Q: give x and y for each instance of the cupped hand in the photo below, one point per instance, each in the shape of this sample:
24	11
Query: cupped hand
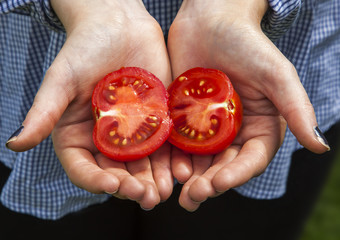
226	35
102	36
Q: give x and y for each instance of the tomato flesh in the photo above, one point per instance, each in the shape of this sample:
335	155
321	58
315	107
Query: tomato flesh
130	108
206	111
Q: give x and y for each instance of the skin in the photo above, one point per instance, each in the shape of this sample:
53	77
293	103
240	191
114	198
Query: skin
105	40
225	35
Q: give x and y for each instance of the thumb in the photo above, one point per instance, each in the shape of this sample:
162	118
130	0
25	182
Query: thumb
289	96
49	104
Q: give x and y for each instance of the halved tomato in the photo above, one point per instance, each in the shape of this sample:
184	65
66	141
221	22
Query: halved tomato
131	114
206	111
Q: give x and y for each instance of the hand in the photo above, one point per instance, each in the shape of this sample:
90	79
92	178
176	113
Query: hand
102	36
226	35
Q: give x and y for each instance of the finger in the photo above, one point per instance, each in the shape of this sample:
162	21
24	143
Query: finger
160	163
141	170
83	171
49	104
251	161
184	199
200	165
284	89
278	80
293	103
258	149
181	165
76	156
130	187
202	187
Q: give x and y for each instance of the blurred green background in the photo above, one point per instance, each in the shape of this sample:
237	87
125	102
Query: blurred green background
324	222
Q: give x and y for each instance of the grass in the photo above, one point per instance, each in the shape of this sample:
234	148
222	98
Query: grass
324	223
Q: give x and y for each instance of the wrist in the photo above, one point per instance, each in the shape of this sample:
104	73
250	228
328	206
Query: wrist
253	10
72	13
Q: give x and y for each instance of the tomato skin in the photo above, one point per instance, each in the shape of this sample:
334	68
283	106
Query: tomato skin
130	109
206	111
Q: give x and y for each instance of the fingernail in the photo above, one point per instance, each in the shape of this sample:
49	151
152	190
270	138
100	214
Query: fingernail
111	193
146	209
198	202
15	135
321	138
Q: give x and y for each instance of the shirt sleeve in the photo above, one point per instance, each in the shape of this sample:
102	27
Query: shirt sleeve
40	10
279	17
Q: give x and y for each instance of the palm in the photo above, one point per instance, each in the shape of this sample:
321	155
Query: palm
72	136
215	44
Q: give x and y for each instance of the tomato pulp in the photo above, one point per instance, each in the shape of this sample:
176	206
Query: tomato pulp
206	111
130	108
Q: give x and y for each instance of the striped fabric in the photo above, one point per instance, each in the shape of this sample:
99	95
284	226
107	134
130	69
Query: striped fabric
31	35
280	17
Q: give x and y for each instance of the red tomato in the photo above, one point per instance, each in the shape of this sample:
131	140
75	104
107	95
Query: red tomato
205	110
132	120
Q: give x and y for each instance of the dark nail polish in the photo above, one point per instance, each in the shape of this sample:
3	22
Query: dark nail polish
321	138
15	135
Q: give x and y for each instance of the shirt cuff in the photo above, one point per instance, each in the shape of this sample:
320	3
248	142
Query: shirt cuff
41	10
279	17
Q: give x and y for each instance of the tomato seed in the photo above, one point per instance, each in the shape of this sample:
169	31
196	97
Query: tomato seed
192	134
126	80
143	132
139	137
200	136
182	78
153	119
214	121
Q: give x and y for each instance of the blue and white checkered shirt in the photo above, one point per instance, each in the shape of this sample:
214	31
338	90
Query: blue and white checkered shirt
307	32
